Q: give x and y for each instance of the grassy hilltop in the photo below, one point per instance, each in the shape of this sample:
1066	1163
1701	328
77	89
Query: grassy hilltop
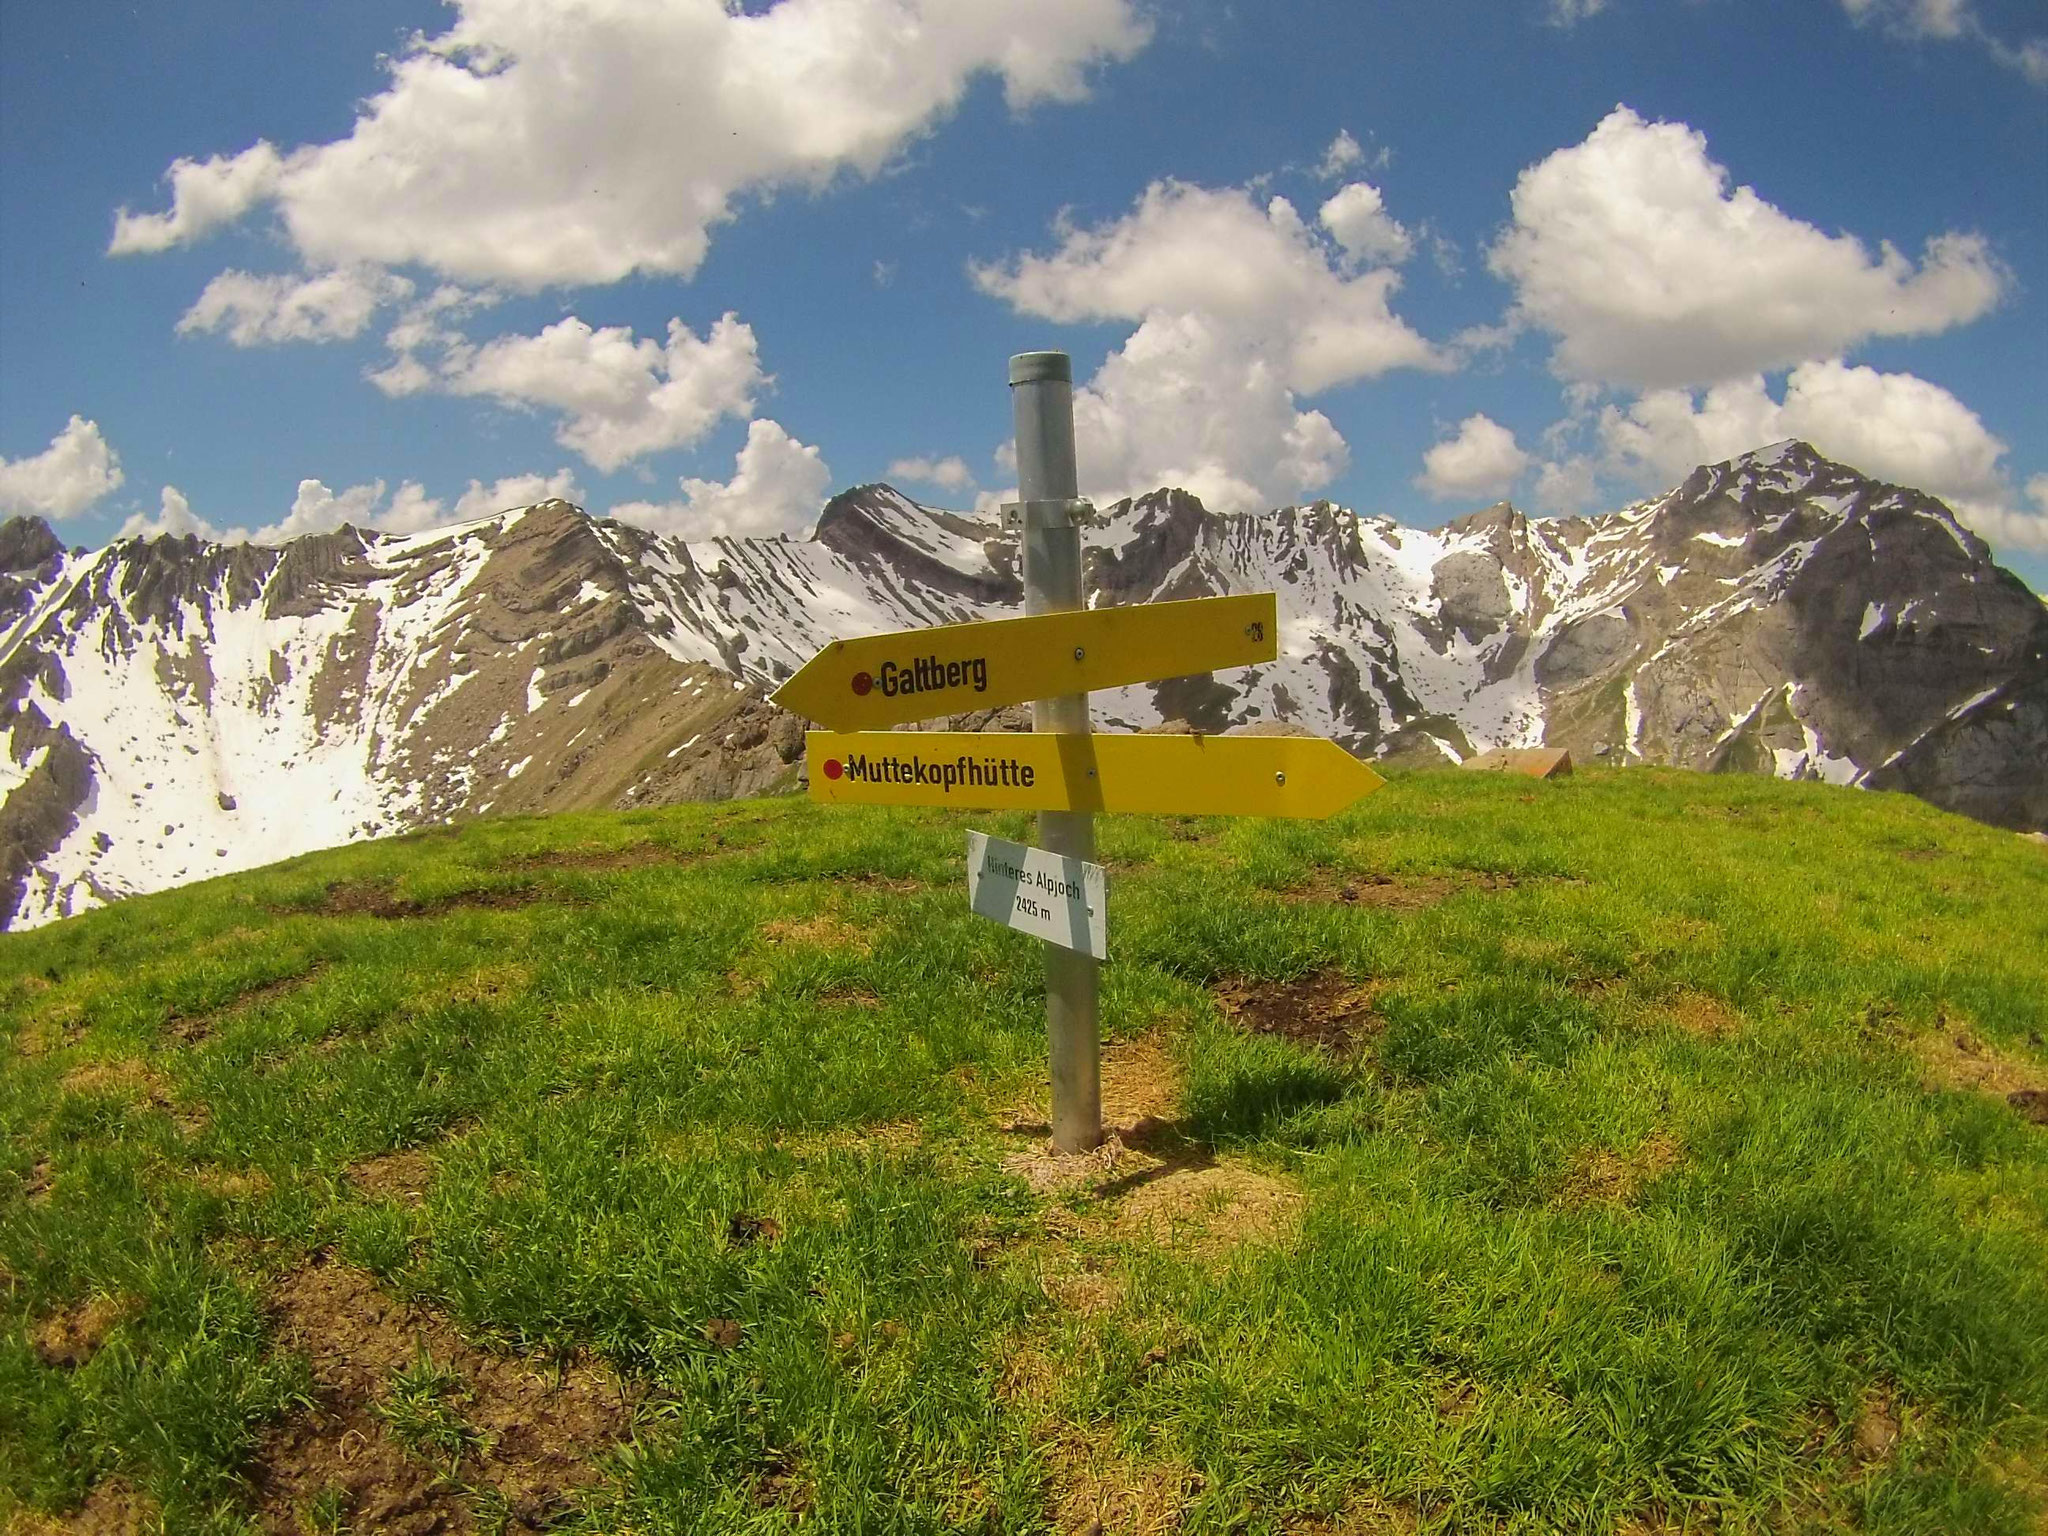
1639	1153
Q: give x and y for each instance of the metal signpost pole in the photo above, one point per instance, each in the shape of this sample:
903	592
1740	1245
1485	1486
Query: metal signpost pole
1042	400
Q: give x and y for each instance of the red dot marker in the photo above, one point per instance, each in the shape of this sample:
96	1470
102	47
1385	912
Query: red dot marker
832	768
862	683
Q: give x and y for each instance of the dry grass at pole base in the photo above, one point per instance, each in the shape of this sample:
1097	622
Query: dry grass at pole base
1625	1153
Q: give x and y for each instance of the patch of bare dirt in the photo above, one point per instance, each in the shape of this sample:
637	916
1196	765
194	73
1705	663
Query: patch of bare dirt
1608	1177
195	1027
233	1184
529	1428
52	1026
362	899
1205	1207
404	1175
485	984
126	1078
1362	1515
73	1336
1401	893
1140	1095
42	1178
1326	1009
896	885
1140	1086
111	1509
1957	1058
1876	1430
602	860
1704	1016
745	1229
1098	1490
1048	1171
821	930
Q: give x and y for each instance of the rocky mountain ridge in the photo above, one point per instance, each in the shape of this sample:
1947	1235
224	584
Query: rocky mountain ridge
174	709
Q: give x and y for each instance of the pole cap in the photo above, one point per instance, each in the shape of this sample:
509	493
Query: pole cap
1041	368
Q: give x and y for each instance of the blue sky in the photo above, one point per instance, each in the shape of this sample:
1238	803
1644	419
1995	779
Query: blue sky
701	267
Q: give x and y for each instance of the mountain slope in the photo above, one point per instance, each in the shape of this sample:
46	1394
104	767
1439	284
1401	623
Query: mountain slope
174	709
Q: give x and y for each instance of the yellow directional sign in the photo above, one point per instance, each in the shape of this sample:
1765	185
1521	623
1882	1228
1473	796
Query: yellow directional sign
916	674
1302	776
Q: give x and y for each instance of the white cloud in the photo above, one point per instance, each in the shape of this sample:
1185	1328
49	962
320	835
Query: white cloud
74	472
2030	58
778	486
1261	272
482	500
329	306
1567	13
1185	402
318	509
205	194
1344	153
175	517
621	396
1357	216
533	144
1631	250
1893	426
1952	21
949	474
1570	484
1915	18
1482	460
1238	309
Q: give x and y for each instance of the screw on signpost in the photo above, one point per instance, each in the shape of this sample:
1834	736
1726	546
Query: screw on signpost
1042	401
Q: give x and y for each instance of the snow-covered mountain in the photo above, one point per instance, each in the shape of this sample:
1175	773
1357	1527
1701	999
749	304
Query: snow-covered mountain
174	709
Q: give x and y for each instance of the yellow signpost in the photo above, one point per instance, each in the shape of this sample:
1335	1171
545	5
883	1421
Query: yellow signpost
1055	656
884	680
1292	776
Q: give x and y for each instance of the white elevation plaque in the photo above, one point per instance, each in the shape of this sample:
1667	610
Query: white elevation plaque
1057	899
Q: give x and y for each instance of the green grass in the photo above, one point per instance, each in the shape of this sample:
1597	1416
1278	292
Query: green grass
1640	1196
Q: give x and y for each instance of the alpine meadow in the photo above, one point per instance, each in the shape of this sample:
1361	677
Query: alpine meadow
1024	768
1640	1151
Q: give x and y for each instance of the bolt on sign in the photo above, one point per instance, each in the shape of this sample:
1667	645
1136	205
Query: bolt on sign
1053	657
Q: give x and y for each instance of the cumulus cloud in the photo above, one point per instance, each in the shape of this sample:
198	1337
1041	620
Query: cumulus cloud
777	487
205	194
1481	460
1894	426
1189	250
533	144
329	306
1357	216
174	517
66	478
621	396
1633	252
1344	153
1239	308
316	508
948	474
482	500
1568	485
1186	402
